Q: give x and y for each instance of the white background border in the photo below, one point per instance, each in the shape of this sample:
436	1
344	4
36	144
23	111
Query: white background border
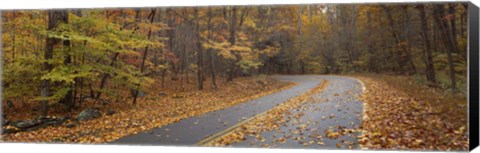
47	4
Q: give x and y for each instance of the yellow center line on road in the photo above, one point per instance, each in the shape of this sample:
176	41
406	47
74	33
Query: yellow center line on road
228	130
235	126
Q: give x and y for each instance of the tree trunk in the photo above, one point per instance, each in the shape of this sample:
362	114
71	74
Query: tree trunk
145	53
352	39
300	35
372	61
105	76
409	40
82	81
430	70
233	23
13	39
53	16
402	60
199	52
453	27
209	51
446	37
435	36
103	82
68	100
12	33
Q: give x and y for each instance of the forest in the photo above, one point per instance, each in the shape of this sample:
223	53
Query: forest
59	62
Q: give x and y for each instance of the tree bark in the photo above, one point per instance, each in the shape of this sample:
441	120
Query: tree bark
453	27
430	70
352	39
68	101
409	41
13	39
103	82
372	63
105	76
53	16
300	35
209	51
233	23
446	37
145	53
199	51
402	60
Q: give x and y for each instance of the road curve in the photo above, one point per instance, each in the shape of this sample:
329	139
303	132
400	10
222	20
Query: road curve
334	109
192	130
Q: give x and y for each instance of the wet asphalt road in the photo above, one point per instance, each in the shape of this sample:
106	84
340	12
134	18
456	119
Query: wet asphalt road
333	109
338	98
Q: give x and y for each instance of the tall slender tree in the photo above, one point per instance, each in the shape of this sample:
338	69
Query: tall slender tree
430	70
446	36
53	21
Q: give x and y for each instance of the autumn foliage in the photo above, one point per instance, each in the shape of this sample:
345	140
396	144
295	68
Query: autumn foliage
395	119
141	68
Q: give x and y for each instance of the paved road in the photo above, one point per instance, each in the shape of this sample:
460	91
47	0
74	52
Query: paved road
335	109
189	131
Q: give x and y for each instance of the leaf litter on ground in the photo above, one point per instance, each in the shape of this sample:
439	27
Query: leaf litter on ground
272	120
394	119
150	112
